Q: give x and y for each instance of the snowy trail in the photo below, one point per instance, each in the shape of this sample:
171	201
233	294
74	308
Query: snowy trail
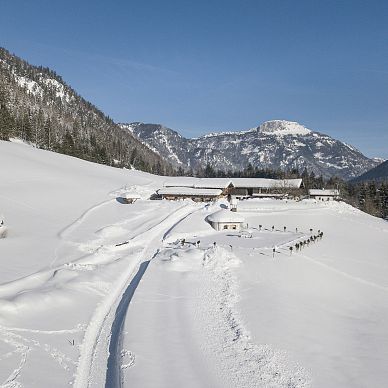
94	349
113	375
67	272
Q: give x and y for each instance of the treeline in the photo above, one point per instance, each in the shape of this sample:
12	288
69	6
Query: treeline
38	107
248	172
370	197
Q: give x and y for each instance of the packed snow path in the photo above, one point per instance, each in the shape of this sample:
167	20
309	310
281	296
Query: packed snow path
114	367
98	334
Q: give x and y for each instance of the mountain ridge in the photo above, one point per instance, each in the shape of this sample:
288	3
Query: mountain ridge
378	173
275	144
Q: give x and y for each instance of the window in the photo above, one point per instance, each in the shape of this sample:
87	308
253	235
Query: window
225	226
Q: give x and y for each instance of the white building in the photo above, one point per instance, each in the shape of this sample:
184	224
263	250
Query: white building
225	219
324	195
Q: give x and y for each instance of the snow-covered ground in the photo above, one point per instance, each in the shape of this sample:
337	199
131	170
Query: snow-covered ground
94	292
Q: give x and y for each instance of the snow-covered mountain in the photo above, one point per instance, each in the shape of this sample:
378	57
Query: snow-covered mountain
274	144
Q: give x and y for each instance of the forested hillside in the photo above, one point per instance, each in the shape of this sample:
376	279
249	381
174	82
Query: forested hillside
37	106
379	173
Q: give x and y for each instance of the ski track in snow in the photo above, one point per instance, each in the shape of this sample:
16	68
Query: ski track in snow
114	378
19	286
94	348
40	278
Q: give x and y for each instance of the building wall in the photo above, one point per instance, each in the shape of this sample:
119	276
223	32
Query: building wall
177	197
226	225
265	190
239	191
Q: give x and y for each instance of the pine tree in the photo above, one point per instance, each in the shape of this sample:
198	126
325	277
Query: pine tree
209	171
67	146
6	121
27	126
47	134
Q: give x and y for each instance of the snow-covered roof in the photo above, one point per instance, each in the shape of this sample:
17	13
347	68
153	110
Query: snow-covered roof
330	192
189	191
213	183
267	183
222	183
204	183
131	195
224	215
183	181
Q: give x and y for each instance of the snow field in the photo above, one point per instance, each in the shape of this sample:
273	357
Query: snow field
59	260
200	290
293	320
327	303
79	306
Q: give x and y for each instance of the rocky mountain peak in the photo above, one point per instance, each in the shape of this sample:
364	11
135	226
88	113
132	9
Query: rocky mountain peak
283	128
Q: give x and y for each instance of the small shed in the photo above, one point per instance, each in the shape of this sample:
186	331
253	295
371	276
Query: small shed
225	219
130	197
324	195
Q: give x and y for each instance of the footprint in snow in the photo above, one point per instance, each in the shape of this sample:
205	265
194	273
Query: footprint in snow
127	359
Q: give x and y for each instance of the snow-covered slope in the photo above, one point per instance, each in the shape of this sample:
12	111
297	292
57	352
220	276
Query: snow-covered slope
234	314
94	292
60	270
274	144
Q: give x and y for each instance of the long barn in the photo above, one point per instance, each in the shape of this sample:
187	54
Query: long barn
207	189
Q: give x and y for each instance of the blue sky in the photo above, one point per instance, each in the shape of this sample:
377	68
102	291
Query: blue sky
199	66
